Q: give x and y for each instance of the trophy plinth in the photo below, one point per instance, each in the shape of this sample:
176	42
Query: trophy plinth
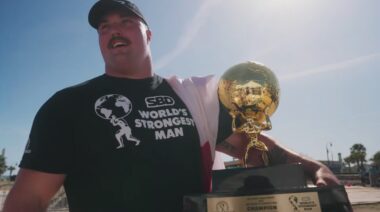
316	199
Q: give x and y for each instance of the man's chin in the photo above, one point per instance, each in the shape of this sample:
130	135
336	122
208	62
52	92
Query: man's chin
119	50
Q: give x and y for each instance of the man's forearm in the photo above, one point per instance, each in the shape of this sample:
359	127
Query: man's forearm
229	149
32	191
22	203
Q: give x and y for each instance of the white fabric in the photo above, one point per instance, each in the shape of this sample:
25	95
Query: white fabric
201	98
218	161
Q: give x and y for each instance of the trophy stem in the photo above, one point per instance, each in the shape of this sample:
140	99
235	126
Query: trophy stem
256	144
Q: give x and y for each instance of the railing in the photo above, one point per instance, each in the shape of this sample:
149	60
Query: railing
59	202
4	190
3	195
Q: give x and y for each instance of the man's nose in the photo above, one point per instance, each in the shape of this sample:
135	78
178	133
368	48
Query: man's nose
116	28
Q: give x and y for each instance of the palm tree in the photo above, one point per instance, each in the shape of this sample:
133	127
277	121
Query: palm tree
3	166
348	160
376	158
358	154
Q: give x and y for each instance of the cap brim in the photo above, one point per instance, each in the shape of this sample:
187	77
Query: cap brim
103	7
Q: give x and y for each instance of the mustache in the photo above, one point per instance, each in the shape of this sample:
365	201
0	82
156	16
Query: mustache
118	38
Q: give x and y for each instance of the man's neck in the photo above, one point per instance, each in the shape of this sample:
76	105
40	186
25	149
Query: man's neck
130	74
140	72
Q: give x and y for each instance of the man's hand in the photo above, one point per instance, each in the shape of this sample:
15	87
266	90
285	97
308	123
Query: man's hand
325	177
235	146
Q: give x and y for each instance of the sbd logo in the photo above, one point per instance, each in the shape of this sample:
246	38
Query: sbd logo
158	101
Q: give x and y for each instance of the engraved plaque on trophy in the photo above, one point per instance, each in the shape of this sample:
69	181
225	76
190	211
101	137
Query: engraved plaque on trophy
250	92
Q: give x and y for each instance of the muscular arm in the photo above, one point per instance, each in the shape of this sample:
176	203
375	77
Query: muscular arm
235	146
32	191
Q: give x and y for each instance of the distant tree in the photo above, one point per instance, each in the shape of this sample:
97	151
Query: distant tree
358	154
3	166
348	160
376	158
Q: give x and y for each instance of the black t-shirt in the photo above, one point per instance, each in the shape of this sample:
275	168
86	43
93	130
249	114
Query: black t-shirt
124	145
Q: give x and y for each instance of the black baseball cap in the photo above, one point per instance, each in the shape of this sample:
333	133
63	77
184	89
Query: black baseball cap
101	7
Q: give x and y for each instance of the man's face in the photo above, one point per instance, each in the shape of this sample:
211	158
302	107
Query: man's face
124	41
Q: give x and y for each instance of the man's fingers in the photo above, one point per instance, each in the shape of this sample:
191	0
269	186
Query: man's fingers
320	183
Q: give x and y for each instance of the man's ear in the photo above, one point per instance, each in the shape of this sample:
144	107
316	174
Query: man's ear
148	35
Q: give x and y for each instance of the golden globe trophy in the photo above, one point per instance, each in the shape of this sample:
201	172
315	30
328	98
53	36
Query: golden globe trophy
250	92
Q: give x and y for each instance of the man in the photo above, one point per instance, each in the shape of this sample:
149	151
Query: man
174	125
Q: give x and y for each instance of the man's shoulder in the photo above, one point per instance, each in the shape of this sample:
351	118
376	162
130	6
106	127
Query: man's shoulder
194	80
82	86
73	92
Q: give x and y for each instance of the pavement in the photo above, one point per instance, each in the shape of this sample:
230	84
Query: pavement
364	199
363	195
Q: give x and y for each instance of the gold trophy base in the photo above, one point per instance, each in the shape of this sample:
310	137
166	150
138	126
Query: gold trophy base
269	189
316	199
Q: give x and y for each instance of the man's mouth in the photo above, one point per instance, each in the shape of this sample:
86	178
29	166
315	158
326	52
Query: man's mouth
117	42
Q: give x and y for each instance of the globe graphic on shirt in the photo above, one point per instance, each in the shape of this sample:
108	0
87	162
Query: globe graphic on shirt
113	106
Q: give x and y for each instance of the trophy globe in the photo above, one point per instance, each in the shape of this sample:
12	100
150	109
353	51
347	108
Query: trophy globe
250	92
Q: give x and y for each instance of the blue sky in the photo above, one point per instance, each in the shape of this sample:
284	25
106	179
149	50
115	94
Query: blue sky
326	55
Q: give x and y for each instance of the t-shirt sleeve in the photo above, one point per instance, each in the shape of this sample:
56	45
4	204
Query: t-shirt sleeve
50	145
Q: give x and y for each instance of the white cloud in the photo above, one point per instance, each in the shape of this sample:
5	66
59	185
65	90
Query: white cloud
339	66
